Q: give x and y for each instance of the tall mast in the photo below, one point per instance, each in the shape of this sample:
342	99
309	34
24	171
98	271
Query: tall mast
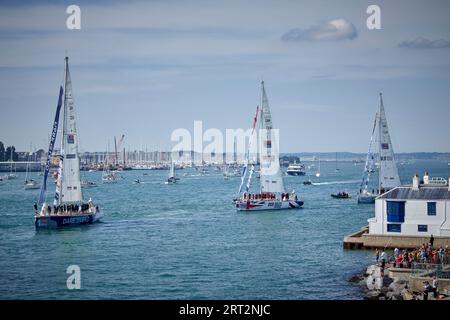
379	143
115	152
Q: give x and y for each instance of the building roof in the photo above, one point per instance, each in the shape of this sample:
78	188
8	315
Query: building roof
424	193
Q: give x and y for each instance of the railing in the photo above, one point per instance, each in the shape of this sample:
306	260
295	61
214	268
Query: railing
428	270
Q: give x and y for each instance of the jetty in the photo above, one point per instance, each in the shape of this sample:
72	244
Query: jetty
363	240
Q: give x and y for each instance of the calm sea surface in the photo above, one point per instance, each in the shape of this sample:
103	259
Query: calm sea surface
186	241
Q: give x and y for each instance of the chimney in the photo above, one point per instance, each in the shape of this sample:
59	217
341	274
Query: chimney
415	185
426	178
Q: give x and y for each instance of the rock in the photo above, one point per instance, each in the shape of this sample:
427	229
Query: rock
384	290
387	281
356	279
362	283
372	295
382	298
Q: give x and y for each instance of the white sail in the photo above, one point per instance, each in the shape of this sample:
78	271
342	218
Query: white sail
271	176
70	185
388	173
172	171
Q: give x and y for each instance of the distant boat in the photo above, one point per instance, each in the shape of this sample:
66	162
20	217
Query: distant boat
388	177
336	162
307	182
11	175
341	195
68	206
272	195
172	178
88	183
318	171
30	184
296	169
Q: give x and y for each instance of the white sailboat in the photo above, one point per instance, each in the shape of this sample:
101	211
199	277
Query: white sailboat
272	195
388	177
318	170
11	175
68	205
336	163
30	184
172	178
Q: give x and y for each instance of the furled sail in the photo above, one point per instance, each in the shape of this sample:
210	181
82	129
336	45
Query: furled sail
69	185
388	173
271	177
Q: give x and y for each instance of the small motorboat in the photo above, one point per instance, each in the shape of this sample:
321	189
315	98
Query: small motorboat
341	195
137	181
88	183
307	182
31	185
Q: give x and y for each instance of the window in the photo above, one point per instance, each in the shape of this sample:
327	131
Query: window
395	211
394	227
431	208
422	228
71	139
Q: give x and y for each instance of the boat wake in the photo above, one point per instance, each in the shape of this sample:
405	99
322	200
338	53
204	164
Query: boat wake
334	182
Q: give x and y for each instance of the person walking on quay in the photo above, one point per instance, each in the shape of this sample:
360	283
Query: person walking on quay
377	255
435	284
431	241
426	290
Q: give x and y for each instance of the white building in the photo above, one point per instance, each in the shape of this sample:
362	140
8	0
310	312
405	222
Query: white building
420	209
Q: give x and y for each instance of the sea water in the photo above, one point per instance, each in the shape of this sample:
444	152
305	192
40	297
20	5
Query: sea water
187	241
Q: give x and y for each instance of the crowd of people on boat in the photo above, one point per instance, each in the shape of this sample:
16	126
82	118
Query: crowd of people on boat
268	196
66	209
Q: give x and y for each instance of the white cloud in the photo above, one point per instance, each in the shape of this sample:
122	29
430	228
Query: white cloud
338	29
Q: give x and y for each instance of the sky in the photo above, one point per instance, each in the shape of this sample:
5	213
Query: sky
146	68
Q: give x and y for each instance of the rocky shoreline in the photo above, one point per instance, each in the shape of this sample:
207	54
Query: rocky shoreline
377	285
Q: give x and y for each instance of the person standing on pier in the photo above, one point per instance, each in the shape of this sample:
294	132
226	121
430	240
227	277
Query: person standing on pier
435	284
431	241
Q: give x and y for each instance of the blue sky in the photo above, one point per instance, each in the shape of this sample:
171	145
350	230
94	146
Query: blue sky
145	68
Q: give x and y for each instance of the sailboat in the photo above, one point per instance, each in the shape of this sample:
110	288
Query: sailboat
318	170
336	162
30	184
388	177
172	178
12	175
68	206
272	195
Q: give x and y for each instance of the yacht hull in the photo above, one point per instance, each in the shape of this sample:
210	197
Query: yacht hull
366	198
59	221
267	205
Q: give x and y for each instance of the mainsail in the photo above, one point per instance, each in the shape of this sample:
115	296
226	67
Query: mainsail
172	171
68	185
388	173
271	177
369	159
50	148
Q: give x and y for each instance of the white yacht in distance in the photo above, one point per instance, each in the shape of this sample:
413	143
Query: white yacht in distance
296	169
388	177
271	195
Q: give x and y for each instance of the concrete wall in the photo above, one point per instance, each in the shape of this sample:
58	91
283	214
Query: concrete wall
416	283
400	241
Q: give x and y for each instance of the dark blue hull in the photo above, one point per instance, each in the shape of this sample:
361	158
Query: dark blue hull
63	221
301	173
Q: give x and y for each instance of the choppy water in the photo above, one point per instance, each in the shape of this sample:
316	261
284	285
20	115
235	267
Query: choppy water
186	241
